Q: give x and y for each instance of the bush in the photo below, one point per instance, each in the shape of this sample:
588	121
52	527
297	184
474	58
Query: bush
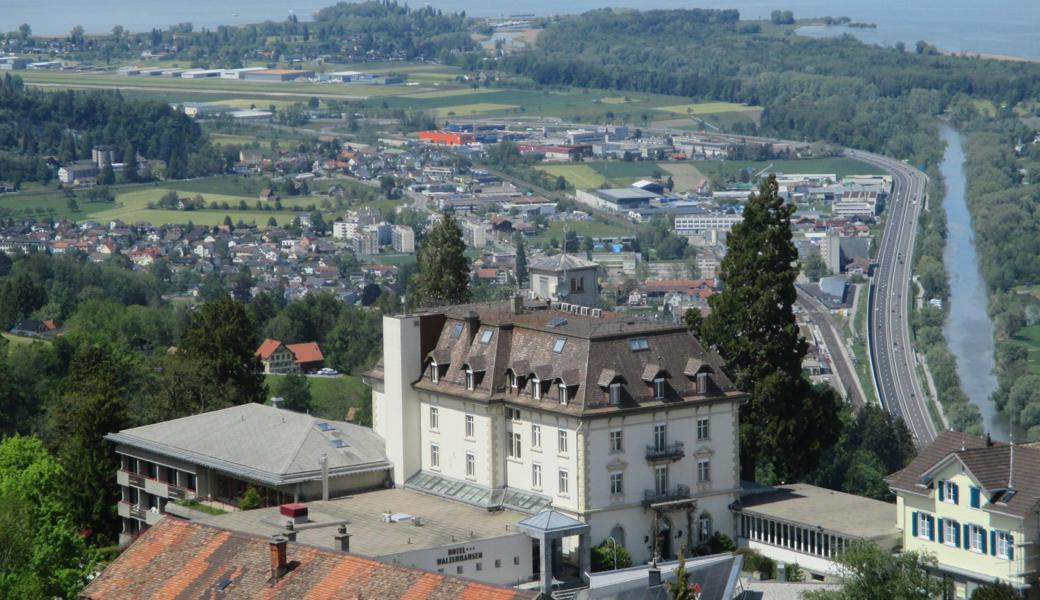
792	572
603	557
755	562
251	499
720	542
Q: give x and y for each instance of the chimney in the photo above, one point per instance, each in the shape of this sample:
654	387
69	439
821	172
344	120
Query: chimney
278	562
989	440
516	304
472	324
277	401
655	577
290	531
343	539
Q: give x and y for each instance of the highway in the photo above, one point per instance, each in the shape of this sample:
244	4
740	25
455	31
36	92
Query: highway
893	360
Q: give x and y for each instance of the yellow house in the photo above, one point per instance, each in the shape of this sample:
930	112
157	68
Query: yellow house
972	503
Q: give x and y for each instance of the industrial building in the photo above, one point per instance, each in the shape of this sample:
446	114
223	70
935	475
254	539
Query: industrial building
238	73
276	75
616	199
699	223
448	138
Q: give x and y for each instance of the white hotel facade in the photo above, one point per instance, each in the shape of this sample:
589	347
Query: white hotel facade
608	419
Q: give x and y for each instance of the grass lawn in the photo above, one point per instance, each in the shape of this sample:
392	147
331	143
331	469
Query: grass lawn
17	340
331	396
581	228
581	176
132	207
707	108
1029	338
464	110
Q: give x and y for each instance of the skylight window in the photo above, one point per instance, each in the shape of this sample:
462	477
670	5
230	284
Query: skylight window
456	331
485	337
560	343
557	322
340	443
322	425
639	343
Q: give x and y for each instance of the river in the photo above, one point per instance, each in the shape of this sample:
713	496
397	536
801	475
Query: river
968	329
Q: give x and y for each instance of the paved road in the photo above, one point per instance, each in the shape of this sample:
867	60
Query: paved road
893	360
840	360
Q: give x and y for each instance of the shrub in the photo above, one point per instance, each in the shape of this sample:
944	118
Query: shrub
251	499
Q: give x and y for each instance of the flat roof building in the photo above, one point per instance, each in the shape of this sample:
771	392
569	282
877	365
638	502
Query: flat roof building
276	75
215	456
810	526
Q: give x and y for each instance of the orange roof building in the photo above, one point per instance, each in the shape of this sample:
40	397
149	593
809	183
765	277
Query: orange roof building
183	559
289	358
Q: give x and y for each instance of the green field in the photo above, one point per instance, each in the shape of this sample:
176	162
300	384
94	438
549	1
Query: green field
581	228
17	340
581	176
708	108
1029	338
331	396
132	207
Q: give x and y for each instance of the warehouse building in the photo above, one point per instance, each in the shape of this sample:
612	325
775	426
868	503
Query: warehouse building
276	75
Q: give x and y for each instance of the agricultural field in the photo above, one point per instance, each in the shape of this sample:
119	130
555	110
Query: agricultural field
579	175
17	340
708	108
132	207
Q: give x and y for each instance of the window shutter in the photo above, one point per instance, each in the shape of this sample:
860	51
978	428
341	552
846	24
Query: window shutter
983	541
967	537
976	500
942	491
992	542
957	536
931	528
941	532
956	494
913	527
1011	547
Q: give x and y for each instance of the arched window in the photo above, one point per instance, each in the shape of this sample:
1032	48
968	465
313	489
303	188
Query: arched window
618	533
704	531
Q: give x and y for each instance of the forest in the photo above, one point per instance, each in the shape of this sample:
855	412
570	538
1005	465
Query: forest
837	90
66	125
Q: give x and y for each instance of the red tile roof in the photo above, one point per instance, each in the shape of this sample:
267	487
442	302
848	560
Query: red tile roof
306	352
267	348
182	559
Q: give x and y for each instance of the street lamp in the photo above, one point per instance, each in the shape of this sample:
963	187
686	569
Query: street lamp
613	544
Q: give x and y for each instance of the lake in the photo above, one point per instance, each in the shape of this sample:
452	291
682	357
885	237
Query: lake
996	27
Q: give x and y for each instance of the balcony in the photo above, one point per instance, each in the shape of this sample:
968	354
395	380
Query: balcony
679	492
674	451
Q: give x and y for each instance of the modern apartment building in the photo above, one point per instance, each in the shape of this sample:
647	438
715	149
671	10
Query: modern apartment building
404	238
610	420
564	278
973	503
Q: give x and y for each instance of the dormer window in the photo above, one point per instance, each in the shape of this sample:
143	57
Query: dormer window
471	380
703	379
659	388
536	388
615	393
511	381
564	394
435	372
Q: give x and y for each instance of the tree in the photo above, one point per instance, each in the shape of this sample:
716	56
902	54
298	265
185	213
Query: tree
222	340
521	260
814	268
995	591
443	276
681	588
752	325
43	553
694	320
93	403
295	390
107	176
130	166
867	572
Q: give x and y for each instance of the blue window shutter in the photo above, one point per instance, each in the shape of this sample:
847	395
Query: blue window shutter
956	495
967	537
1011	547
983	540
913	526
941	533
931	528
992	542
976	500
956	535
942	492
